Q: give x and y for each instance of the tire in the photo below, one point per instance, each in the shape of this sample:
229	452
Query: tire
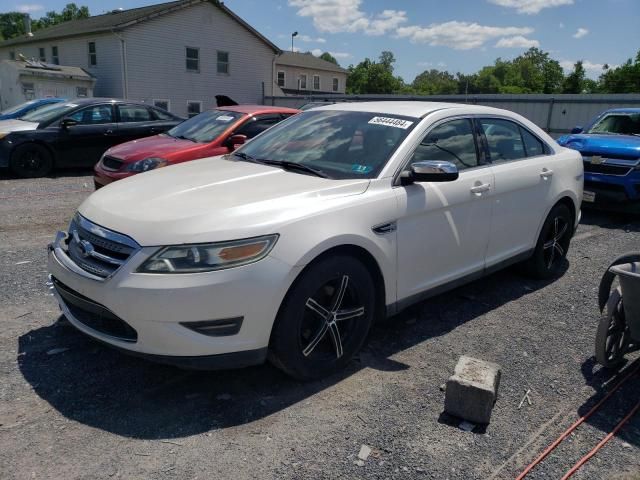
324	320
552	245
31	160
612	336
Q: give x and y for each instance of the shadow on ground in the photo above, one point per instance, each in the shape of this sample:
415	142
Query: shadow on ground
105	389
611	219
6	174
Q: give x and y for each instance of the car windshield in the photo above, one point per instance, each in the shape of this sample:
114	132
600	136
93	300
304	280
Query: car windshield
618	124
340	144
49	112
17	108
206	126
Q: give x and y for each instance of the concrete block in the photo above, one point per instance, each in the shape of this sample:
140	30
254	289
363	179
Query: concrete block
472	390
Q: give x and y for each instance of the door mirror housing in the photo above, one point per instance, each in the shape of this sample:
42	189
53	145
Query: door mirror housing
68	122
234	141
430	171
577	129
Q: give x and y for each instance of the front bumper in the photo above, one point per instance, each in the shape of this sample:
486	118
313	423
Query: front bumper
155	306
102	176
612	190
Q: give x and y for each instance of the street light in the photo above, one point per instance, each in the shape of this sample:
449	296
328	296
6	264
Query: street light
294	34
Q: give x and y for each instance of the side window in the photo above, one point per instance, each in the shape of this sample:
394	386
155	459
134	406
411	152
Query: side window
259	125
504	139
452	141
93	115
134	113
532	144
161	114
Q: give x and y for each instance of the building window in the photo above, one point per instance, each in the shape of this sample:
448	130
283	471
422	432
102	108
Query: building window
223	62
316	82
193	108
93	56
55	59
303	82
193	59
163	104
336	84
28	91
42	55
81	92
12	55
281	79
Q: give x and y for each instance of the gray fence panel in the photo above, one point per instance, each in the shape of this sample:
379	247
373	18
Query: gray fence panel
556	114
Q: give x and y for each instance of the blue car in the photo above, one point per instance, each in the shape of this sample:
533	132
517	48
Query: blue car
610	148
24	108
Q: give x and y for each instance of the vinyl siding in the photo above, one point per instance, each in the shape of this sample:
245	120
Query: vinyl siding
75	52
156	57
326	78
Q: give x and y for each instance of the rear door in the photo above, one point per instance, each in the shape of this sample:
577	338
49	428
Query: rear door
524	186
134	121
84	143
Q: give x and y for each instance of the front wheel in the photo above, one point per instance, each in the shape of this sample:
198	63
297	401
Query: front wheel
552	245
31	161
324	319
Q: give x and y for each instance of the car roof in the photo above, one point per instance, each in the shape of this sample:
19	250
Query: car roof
90	100
624	110
415	109
257	109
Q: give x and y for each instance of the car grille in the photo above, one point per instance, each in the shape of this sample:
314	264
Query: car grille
94	315
606	169
97	250
111	163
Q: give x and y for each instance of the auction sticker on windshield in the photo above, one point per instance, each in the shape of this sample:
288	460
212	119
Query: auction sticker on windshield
224	118
391	122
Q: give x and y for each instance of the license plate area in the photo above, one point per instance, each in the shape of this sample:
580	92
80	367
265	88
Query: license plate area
588	196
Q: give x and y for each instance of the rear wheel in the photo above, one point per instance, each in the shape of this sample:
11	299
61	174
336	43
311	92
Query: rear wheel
612	337
31	160
553	244
324	319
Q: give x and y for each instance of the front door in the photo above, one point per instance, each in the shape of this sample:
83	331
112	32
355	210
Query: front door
82	144
443	229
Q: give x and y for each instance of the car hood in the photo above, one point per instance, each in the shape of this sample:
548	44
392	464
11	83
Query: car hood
213	199
157	146
611	145
15	125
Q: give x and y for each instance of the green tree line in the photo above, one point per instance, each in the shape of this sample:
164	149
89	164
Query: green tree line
12	23
532	72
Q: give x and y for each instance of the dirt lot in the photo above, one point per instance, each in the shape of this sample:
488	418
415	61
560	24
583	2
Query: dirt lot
89	412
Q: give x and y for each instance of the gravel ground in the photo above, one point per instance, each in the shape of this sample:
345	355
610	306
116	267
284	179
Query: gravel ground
90	412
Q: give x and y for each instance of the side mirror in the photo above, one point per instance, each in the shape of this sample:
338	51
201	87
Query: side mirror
577	129
68	122
234	141
430	171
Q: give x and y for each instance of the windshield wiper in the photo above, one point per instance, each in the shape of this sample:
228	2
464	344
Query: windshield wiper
182	137
295	166
247	157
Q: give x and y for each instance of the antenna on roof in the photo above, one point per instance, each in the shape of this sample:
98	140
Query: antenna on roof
27	25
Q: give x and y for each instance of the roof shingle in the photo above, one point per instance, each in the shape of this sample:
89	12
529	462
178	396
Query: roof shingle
307	60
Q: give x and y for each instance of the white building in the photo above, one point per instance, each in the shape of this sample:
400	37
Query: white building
304	74
177	55
21	81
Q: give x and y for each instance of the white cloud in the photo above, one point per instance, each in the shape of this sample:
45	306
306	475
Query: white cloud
517	42
458	35
336	16
308	39
581	32
561	25
317	52
530	7
590	67
29	7
431	64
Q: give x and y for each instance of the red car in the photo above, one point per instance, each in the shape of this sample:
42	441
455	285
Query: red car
214	132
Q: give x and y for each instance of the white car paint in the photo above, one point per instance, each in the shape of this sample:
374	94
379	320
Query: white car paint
14	125
445	232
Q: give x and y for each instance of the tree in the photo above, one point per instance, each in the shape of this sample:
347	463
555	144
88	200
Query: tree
329	58
622	79
574	83
435	82
11	25
374	77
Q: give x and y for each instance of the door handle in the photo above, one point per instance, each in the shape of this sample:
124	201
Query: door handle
546	173
108	132
478	189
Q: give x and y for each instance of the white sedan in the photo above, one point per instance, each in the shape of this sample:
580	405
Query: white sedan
291	247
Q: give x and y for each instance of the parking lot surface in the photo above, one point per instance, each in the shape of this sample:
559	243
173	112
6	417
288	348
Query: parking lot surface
72	408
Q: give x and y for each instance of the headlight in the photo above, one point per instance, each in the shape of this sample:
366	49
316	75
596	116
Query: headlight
146	164
207	257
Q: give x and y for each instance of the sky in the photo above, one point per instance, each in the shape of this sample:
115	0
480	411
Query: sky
454	35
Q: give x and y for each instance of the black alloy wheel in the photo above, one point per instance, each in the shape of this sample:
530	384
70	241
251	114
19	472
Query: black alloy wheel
324	320
552	245
31	161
